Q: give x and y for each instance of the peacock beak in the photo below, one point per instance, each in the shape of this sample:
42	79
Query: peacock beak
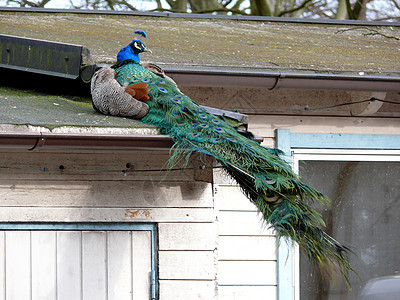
145	49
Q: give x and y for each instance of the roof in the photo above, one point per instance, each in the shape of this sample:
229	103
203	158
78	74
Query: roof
258	44
258	52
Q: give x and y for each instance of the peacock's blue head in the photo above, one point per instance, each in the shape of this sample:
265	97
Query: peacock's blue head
132	51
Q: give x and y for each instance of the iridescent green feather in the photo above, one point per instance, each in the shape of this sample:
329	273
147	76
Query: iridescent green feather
264	177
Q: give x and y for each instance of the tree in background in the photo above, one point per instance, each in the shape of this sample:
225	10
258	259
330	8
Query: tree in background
334	9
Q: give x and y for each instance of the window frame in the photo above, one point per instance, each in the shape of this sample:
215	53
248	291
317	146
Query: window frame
325	147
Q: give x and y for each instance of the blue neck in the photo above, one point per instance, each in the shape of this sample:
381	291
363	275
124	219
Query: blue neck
127	53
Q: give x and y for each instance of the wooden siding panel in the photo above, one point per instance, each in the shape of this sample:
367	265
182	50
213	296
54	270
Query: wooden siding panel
247	292
266	125
247	272
68	265
247	248
105	194
94	272
119	253
141	261
187	290
43	253
187	236
187	265
149	166
18	263
232	198
242	223
63	214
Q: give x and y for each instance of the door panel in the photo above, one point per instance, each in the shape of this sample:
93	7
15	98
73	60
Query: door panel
59	264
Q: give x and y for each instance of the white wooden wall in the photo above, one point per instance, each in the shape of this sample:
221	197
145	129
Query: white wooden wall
210	242
246	247
57	265
182	207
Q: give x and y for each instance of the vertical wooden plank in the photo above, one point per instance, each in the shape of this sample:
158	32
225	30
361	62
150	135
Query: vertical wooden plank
119	256
18	265
68	265
2	266
141	264
43	255
94	256
284	254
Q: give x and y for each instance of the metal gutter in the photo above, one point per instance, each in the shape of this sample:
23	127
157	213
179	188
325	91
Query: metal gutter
53	141
281	80
203	16
34	141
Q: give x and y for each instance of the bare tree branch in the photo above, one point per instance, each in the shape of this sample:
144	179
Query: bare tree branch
301	6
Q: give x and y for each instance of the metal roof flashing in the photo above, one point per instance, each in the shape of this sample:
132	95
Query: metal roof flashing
43	57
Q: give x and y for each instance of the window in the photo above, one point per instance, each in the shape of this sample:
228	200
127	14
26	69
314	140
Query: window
360	173
364	188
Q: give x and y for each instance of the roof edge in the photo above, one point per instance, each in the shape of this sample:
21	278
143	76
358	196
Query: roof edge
202	16
278	79
34	141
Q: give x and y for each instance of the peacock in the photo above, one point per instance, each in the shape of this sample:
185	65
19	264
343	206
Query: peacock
263	175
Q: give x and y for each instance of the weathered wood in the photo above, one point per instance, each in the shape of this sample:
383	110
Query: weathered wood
132	214
150	165
141	264
187	265
247	248
119	267
227	292
18	263
265	125
105	193
68	265
43	254
94	271
242	223
247	272
75	264
187	289
187	236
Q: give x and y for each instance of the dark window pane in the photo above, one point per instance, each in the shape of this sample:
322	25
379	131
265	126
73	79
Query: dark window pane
364	215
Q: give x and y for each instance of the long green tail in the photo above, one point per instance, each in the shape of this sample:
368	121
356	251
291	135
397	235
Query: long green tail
266	179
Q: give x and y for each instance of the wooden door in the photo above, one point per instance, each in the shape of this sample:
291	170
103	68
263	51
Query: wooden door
75	264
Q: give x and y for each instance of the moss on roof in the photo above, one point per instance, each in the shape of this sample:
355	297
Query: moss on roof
222	43
21	107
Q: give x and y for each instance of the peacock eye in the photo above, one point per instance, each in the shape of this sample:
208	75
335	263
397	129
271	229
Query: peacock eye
136	45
